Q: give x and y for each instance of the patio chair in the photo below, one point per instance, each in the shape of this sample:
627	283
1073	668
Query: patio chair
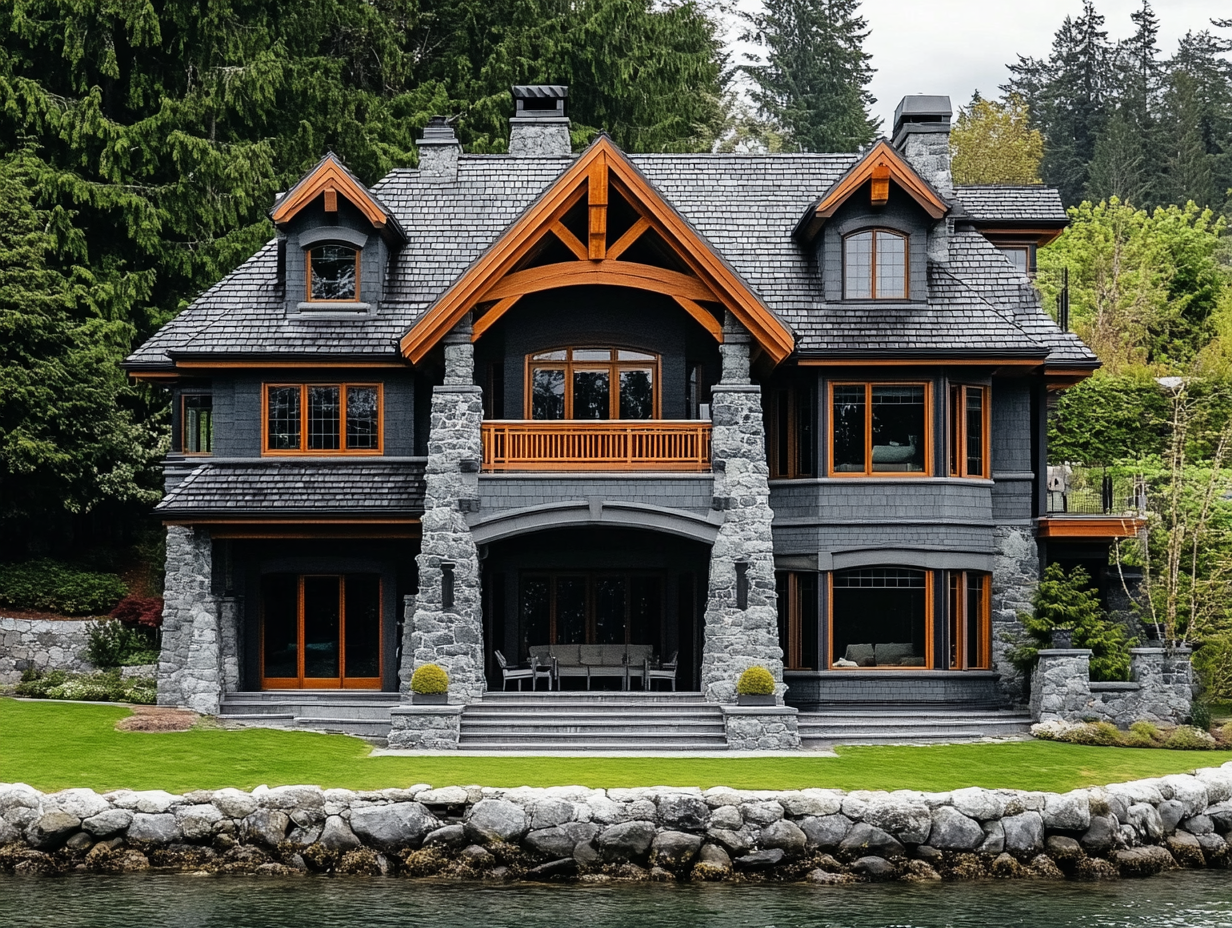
665	671
531	673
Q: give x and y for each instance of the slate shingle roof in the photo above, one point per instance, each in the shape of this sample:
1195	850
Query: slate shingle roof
388	488
744	206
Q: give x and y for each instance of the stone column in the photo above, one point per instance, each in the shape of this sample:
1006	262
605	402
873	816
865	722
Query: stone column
189	671
451	635
1165	678
1015	575
1061	685
230	611
736	638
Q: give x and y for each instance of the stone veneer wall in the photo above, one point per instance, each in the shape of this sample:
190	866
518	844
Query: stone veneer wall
1160	691
736	639
1015	576
820	835
42	644
451	636
190	670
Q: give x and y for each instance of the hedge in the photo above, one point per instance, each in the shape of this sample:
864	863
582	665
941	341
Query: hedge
57	587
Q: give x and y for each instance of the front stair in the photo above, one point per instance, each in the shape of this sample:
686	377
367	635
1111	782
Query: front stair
910	722
574	721
351	712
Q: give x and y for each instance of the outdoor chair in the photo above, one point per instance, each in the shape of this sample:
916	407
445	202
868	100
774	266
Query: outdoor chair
665	671
531	673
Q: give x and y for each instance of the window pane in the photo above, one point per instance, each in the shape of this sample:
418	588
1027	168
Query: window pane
645	611
1017	257
591	395
363	423
955	619
858	266
570	610
898	429
780	459
333	272
637	394
977	629
804	431
547	397
279	626
891	266
198	426
880	617
536	612
625	355
324	418
610	610
321	627
848	425
956	419
282	419
363	625
975	432
592	354
560	355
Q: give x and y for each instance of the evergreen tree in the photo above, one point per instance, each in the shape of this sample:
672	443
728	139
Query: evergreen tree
1187	175
1120	166
1202	57
813	81
993	143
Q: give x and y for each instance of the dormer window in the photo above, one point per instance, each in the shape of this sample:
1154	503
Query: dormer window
333	273
875	265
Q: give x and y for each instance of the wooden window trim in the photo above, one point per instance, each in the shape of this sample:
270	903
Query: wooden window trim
929	626
303	450
613	367
184	426
957	428
299	682
959	646
872	283
789	470
308	298
868	429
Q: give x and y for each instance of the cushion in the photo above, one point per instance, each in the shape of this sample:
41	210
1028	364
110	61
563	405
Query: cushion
843	662
566	654
591	654
541	651
913	662
639	652
861	654
894	652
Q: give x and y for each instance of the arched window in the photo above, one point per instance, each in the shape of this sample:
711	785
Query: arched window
875	265
333	273
592	383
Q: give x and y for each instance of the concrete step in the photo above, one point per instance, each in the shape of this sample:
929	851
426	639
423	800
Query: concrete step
365	728
916	725
629	746
263	717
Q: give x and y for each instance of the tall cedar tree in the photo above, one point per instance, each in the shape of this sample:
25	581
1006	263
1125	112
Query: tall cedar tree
812	83
1202	58
993	143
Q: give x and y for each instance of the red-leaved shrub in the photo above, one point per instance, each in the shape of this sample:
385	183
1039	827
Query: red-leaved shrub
135	610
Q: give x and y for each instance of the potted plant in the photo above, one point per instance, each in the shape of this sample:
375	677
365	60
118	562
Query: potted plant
429	685
755	688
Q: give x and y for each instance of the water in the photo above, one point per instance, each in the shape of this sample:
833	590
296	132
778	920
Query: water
1181	900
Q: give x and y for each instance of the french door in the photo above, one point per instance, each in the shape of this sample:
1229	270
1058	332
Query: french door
591	607
321	631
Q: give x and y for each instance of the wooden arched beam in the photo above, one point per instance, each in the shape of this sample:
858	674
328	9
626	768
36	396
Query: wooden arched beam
607	273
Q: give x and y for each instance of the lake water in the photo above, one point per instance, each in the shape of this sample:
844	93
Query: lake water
1182	900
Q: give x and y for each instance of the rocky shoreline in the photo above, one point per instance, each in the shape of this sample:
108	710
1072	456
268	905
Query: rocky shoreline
1131	829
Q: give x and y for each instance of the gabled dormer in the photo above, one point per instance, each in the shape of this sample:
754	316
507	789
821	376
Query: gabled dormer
336	243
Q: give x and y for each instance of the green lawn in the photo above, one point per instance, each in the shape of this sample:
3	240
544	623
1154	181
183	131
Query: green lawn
54	745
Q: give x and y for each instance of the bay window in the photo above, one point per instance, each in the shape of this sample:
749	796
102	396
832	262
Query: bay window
879	429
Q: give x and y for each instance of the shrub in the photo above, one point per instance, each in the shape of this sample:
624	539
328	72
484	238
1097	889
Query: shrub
108	686
135	610
114	644
1225	733
1188	738
1143	735
756	681
1200	717
51	585
429	679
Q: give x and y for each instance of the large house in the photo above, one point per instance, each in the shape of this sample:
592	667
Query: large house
594	410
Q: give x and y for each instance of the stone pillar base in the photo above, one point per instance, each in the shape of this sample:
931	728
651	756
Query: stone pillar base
425	728
761	728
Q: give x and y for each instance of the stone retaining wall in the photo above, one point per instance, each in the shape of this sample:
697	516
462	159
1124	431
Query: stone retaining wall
42	644
824	836
1160	688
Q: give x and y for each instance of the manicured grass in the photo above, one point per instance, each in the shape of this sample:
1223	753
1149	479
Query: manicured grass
57	745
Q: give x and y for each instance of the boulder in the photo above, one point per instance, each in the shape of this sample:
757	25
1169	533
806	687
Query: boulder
1068	811
907	819
1024	833
445	796
495	820
874	868
714	856
394	826
929	854
560	840
337	835
864	838
294	799
811	802
735	842
994	839
108	823
1146	820
264	826
51	830
451	837
953	831
729	818
1186	789
629	841
564	869
1143	861
79	843
234	803
826	878
476	857
155	801
1186	850
983	805
761	813
548	813
825	831
1220	815
674	850
759	860
197	822
1199	825
785	836
1103	834
918	871
159	828
682	811
1171	811
83	803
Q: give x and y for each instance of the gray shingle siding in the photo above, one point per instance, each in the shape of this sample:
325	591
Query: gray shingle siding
1011	203
688	492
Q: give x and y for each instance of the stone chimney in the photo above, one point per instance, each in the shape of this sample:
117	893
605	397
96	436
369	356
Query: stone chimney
922	134
539	127
438	152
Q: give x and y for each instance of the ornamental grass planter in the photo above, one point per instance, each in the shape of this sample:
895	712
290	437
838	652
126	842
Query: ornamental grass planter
755	699
429	699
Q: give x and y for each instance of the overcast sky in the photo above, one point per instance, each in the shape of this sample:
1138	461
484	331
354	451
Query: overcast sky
958	46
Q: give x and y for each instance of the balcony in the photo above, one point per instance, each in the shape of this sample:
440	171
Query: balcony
1090	503
609	445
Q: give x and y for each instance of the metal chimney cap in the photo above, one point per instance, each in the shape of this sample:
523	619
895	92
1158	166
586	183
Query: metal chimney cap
540	91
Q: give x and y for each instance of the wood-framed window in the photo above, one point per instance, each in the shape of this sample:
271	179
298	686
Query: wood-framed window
880	429
592	383
590	607
333	273
875	265
792	432
969	432
797	605
881	618
1019	257
321	631
197	423
970	608
322	418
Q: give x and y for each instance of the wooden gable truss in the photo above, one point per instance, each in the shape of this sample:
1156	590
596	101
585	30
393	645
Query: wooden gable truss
601	223
330	180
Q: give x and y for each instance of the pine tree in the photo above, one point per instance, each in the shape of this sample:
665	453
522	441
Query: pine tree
1188	175
993	143
1120	166
1202	57
813	81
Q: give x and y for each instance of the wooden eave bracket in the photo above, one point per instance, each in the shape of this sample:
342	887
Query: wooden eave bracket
329	180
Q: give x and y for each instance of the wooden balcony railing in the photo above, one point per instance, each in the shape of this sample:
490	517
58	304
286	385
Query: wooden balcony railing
596	445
